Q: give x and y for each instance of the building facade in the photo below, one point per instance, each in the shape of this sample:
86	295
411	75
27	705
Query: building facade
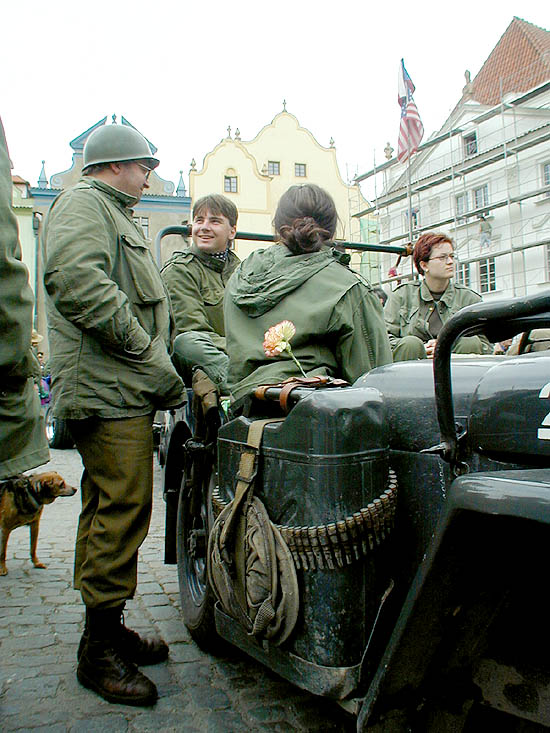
255	173
484	177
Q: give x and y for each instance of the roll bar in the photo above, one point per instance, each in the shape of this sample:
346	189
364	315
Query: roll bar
497	321
185	231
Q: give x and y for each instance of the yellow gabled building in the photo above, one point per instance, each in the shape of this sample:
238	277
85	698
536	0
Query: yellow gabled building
255	173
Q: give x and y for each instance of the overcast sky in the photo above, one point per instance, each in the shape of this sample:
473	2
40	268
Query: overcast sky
181	72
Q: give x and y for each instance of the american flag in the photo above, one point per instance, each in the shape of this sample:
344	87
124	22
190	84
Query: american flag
411	129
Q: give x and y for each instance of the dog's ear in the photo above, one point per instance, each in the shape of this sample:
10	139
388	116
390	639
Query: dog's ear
21	483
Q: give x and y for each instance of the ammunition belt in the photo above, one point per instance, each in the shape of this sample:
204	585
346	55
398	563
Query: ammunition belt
342	542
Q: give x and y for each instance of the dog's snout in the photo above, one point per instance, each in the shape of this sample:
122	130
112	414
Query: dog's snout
67	490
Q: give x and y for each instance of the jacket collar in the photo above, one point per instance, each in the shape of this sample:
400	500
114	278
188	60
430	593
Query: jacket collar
447	297
214	263
120	197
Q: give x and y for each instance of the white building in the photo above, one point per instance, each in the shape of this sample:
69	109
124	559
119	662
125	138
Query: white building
490	159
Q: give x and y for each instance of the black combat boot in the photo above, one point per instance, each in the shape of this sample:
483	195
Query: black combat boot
104	670
141	651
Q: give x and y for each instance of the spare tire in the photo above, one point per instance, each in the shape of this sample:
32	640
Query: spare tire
57	431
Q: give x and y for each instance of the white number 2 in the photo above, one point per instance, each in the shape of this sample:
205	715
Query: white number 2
544	432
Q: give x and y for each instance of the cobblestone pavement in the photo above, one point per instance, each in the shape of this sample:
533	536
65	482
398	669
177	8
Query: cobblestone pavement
41	619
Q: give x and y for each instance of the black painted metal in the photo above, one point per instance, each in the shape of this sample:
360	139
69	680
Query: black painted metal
327	460
497	320
462	559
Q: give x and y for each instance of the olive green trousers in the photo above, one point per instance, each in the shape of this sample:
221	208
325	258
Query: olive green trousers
411	347
117	496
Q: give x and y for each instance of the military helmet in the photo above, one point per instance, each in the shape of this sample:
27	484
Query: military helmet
117	143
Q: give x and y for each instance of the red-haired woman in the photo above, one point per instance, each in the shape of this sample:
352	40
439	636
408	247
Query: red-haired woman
416	311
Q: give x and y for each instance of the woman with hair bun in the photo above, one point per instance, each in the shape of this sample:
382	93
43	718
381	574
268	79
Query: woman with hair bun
339	324
416	311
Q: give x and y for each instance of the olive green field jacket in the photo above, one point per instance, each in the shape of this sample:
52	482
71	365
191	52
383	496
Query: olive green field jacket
410	305
339	322
22	438
196	284
108	312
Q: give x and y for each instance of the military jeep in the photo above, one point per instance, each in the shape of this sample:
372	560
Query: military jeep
415	505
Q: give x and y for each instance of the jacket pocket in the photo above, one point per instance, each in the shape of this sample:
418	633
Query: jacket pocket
212	296
146	280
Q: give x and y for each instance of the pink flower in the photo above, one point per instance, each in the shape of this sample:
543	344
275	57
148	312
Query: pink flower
277	338
392	272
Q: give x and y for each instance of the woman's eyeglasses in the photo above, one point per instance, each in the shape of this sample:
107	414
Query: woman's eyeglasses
451	256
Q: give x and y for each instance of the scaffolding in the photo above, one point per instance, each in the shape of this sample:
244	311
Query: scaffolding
487	184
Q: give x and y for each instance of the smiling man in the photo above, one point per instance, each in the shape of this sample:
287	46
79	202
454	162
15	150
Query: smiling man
109	334
196	280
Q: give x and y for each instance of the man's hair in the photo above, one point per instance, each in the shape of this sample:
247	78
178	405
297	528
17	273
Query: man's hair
218	205
95	168
424	245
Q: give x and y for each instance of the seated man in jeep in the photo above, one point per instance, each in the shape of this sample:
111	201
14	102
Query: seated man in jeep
196	280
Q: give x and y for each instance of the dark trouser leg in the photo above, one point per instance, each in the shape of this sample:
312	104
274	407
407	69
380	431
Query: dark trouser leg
116	506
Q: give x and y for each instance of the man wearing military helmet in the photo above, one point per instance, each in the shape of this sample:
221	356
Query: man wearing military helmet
110	332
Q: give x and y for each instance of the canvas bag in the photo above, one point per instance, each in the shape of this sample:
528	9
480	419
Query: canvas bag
250	567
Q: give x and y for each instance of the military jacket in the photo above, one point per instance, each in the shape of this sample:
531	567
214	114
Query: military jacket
339	323
22	439
196	284
410	305
108	311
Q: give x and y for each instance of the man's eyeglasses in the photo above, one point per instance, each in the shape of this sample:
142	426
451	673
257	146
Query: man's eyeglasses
144	167
451	256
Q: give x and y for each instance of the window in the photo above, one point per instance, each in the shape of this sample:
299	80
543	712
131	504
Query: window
463	273
143	222
546	177
487	275
548	261
470	144
274	168
480	196
461	204
230	184
300	170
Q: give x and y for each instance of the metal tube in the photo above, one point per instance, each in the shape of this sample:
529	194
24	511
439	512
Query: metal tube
185	230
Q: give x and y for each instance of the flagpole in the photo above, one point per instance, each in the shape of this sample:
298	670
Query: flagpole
409	193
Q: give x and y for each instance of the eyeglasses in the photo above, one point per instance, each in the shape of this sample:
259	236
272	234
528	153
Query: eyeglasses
451	256
144	167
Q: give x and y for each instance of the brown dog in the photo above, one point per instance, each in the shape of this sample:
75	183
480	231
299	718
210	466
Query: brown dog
22	500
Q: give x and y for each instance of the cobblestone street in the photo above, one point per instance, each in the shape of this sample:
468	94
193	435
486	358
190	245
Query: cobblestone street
41	619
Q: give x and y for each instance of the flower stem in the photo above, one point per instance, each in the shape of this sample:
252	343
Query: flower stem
296	361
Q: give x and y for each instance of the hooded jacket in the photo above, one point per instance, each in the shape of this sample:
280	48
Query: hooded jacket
339	323
22	439
108	312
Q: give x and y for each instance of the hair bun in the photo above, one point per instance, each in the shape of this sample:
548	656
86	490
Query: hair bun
304	235
305	218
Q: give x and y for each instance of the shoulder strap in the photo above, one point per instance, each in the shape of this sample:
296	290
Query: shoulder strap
248	468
